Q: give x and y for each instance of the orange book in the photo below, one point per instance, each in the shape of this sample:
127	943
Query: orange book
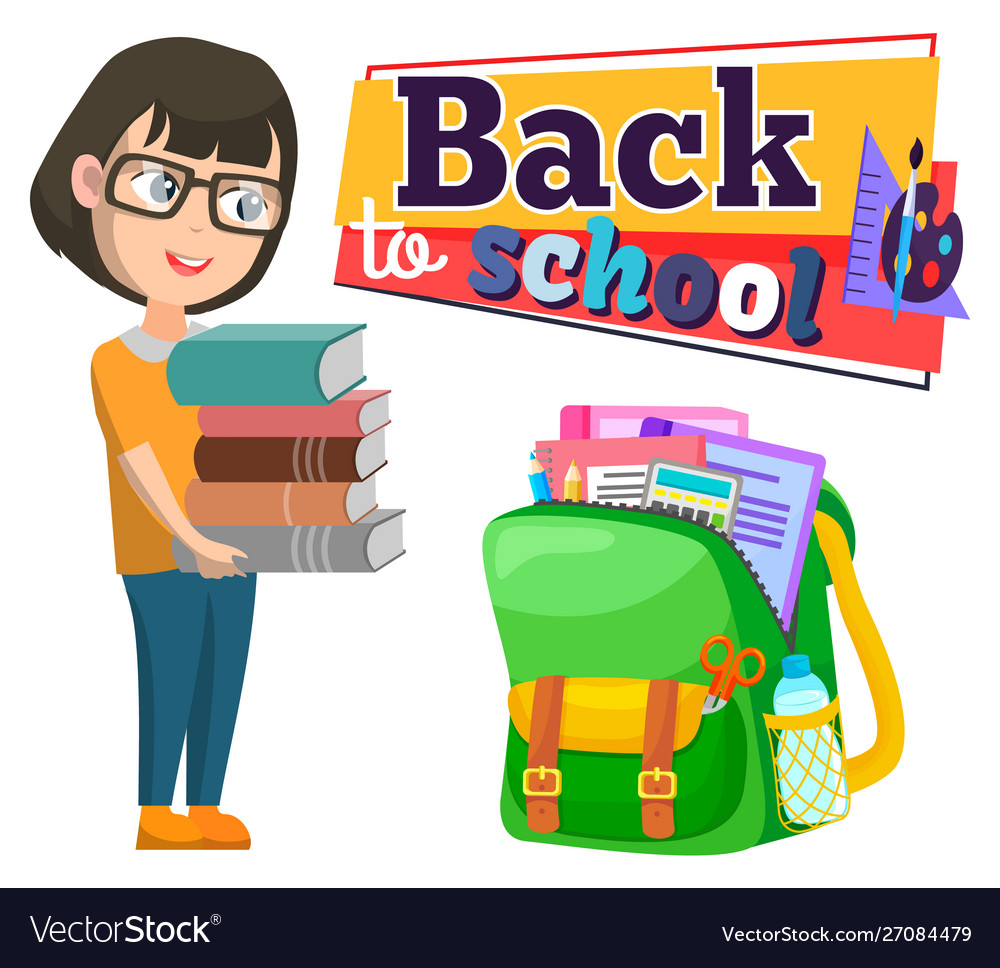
271	503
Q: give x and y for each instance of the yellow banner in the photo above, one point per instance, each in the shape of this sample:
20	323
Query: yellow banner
841	98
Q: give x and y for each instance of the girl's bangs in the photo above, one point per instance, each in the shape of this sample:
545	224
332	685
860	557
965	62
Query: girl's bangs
246	141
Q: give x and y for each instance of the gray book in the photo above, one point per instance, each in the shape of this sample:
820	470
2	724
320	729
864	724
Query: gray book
368	545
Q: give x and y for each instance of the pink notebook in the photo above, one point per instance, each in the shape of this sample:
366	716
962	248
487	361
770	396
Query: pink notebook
592	422
614	469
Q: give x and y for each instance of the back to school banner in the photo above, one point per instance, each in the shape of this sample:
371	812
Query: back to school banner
754	201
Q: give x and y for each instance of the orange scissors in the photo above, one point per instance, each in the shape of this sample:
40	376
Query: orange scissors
727	672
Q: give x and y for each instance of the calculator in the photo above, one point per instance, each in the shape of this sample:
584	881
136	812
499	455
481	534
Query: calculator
700	494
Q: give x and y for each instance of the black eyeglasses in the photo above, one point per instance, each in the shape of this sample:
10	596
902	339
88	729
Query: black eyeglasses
158	188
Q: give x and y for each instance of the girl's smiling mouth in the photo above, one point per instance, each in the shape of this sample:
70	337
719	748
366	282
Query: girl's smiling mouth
186	267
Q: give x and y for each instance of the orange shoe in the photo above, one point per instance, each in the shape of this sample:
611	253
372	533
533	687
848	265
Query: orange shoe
161	829
219	831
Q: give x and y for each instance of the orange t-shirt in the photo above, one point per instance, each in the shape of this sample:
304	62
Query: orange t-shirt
135	406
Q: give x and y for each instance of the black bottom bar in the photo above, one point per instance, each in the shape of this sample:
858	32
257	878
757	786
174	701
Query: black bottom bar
458	925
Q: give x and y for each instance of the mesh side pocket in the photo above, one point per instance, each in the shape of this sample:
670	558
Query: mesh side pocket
810	779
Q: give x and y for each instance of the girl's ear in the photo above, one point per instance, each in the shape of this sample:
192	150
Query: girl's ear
86	180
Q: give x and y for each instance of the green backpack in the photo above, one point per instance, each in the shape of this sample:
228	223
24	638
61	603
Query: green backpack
603	613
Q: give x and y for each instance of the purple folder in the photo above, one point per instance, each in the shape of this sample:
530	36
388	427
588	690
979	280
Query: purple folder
777	504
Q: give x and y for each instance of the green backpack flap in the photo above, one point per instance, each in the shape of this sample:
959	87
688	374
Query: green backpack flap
596	593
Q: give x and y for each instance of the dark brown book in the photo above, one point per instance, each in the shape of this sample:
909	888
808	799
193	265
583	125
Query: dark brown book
310	460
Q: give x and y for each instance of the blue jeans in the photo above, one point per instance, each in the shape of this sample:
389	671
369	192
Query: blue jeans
192	635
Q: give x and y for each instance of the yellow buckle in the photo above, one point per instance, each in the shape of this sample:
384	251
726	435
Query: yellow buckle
540	773
656	773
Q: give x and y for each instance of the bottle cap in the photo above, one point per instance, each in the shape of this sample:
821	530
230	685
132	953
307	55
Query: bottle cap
795	666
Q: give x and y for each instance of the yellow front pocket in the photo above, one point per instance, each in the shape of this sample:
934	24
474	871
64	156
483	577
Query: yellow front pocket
608	715
810	775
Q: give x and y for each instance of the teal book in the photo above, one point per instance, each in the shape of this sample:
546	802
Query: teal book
283	364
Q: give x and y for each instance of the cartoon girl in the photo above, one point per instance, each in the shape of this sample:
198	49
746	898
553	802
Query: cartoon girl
170	184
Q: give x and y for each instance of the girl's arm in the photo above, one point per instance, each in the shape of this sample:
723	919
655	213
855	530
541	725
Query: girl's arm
143	472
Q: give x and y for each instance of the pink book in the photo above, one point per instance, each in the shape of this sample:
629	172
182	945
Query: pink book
355	414
591	422
614	469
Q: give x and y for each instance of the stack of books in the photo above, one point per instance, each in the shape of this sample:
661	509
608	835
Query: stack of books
290	448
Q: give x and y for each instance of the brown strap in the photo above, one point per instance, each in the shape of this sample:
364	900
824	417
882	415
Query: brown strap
542	782
657	784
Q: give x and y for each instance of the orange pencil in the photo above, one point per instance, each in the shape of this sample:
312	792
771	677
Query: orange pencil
573	484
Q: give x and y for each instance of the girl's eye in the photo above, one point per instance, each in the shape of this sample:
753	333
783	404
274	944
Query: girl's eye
244	206
155	187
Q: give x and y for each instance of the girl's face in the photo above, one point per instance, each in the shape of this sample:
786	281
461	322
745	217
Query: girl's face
175	229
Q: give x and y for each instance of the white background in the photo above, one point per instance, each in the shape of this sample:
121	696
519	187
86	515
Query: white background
370	741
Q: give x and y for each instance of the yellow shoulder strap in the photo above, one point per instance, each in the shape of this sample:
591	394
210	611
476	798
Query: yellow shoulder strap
868	767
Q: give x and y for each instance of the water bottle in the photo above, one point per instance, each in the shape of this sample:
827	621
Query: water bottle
810	761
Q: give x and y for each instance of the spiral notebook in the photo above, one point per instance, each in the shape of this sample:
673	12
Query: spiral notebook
614	468
775	514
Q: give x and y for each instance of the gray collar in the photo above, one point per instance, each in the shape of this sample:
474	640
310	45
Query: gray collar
151	349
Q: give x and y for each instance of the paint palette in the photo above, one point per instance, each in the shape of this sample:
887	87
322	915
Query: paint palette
699	494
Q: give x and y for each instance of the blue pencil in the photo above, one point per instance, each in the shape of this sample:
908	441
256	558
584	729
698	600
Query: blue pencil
540	489
906	226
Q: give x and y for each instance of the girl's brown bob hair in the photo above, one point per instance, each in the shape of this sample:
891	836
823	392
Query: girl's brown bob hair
210	95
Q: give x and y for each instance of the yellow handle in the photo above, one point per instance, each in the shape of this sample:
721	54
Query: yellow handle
868	767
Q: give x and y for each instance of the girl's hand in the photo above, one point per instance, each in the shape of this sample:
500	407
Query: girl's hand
215	560
143	472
